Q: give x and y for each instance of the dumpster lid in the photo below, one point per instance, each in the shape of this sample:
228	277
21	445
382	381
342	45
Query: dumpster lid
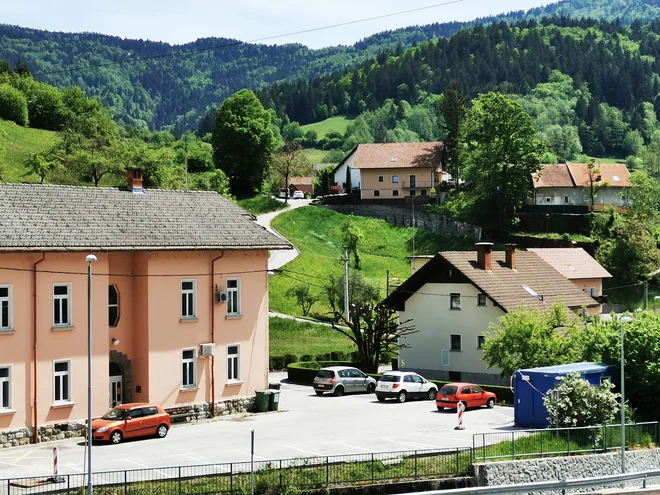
570	368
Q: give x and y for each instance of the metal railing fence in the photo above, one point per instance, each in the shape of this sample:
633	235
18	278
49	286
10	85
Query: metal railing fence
517	444
229	478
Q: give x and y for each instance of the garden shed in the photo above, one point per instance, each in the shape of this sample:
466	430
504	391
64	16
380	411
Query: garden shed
531	385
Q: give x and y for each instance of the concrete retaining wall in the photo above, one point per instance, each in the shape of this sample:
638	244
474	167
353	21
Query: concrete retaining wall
402	217
561	468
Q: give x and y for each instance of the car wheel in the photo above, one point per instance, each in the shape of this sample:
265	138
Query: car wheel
371	388
490	403
115	437
402	397
381	399
339	391
162	431
432	394
318	392
440	409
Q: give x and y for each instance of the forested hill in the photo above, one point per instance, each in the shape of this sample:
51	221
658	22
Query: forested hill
160	90
620	65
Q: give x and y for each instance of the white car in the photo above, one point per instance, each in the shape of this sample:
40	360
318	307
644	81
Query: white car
404	385
298	195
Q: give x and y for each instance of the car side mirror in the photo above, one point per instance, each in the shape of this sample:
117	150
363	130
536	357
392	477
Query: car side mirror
128	418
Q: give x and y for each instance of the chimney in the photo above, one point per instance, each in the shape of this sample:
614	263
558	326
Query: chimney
485	255
510	251
135	180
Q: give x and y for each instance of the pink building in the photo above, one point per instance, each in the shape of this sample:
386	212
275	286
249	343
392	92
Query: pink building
179	304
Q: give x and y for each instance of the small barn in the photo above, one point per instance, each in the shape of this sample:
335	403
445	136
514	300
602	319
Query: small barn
531	385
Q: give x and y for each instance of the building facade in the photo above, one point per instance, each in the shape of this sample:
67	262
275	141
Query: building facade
179	299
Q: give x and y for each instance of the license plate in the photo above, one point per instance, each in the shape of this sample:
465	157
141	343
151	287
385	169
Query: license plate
445	399
321	386
382	386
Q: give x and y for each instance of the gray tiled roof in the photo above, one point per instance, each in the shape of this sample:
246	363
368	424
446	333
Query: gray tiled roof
39	217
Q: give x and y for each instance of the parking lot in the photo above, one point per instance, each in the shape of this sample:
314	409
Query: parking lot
305	426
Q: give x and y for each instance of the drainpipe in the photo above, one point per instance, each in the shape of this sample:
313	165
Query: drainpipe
34	345
213	332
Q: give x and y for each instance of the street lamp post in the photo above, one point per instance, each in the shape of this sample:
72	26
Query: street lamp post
625	319
90	259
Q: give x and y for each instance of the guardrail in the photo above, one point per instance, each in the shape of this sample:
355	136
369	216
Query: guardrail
231	478
561	441
550	486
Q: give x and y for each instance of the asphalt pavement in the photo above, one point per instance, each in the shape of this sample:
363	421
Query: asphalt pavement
305	426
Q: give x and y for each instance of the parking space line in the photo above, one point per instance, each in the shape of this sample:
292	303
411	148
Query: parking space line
148	467
352	446
414	445
306	451
242	452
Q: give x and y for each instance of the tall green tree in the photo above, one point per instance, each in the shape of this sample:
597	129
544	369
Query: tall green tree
288	162
453	109
243	141
500	152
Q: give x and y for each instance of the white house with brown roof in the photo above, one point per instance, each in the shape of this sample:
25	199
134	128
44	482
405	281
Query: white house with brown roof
567	184
453	299
576	265
392	170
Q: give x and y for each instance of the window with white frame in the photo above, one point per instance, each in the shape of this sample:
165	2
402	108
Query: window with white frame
395	179
481	340
188	299
481	299
5	387
454	301
376	193
456	342
233	363
395	192
233	296
5	307
62	381
381	178
113	306
189	365
62	305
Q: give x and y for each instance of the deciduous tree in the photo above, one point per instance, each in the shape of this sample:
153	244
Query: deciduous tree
289	161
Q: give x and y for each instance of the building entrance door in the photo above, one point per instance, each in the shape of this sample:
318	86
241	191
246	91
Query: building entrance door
116	385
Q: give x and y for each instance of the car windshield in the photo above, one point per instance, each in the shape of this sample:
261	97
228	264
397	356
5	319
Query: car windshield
325	374
390	378
115	413
448	390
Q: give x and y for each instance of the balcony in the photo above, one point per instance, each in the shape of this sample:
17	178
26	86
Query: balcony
417	184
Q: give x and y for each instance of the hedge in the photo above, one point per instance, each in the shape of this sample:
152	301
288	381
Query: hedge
281	362
303	373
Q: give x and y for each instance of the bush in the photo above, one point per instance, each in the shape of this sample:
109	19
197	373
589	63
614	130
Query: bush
13	105
338	356
306	358
303	373
290	358
323	357
277	363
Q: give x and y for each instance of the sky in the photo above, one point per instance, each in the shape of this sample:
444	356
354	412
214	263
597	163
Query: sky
178	22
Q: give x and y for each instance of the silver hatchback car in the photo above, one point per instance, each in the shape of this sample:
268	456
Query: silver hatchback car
340	380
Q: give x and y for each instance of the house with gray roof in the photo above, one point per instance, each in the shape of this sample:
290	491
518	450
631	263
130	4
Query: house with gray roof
178	299
454	297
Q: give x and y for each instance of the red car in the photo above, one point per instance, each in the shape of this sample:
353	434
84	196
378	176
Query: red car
130	421
450	395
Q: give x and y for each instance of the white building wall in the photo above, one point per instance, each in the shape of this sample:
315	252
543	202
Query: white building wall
340	174
578	196
434	322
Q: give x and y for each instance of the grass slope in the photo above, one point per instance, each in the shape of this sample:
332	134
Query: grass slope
19	143
296	337
337	124
261	204
317	232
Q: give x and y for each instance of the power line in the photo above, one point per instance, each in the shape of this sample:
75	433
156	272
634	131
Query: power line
236	43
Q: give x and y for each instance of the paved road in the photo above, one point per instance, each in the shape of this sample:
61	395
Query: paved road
308	426
280	257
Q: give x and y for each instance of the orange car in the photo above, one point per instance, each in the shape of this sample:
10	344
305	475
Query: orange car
130	421
470	395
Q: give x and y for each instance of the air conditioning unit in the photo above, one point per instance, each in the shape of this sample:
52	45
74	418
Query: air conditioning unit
207	349
220	297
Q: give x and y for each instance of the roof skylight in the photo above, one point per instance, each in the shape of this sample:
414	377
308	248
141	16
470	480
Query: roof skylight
529	290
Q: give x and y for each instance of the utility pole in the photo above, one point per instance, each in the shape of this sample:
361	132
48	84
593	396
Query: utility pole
413	236
387	291
646	295
345	260
185	142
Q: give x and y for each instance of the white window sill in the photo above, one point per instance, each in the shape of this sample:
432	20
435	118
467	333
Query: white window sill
234	382
188	319
7	331
234	316
7	412
61	405
63	328
189	389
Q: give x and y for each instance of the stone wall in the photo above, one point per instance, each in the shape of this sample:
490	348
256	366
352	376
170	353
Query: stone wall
401	215
185	414
562	468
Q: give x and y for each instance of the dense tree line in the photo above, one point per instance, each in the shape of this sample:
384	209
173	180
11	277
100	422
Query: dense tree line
179	90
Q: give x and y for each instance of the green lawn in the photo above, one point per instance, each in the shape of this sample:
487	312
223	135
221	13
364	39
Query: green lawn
337	124
19	143
314	155
316	232
295	337
261	204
